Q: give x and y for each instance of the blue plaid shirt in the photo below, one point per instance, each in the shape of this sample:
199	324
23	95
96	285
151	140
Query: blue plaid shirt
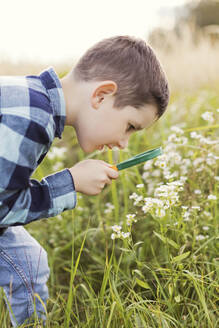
32	114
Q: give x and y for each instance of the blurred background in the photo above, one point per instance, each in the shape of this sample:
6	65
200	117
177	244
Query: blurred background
185	34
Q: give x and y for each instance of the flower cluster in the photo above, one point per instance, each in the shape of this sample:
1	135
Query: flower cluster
118	233
208	116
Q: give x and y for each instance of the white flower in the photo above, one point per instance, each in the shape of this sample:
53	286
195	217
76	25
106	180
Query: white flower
148	165
210	161
197	191
198	161
212	197
141	185
172	138
133	196
200	237
195	135
116	228
138	199
130	219
218	110
161	164
217	178
130	216
125	234
156	173
176	129
201	168
113	236
206	228
208	116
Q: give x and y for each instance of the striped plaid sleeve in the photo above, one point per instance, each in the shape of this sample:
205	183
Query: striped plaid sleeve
22	199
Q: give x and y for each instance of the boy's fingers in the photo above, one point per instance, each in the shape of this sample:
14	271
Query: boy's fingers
113	174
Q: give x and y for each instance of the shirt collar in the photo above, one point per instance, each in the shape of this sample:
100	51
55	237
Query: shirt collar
53	85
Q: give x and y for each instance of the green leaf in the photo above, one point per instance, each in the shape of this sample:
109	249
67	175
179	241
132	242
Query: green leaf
180	257
143	284
167	240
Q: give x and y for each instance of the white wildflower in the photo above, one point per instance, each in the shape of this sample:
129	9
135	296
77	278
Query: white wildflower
113	236
172	138
217	178
137	200
148	165
156	173
161	164
206	228
210	161
145	176
125	234
176	129
207	141
197	191
141	185
208	116
195	135
200	169
130	219
200	237
116	228
198	161
133	196
212	197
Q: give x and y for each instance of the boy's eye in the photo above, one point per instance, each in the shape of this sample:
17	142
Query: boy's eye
131	127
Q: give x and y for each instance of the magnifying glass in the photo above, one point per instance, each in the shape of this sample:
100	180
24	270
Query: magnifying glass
140	158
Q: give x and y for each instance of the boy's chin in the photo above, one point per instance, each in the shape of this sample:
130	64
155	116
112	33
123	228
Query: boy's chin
88	149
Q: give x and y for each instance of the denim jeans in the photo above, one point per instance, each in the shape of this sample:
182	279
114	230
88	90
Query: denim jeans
24	272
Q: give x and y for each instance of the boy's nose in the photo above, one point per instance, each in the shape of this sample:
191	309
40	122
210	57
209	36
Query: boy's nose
123	144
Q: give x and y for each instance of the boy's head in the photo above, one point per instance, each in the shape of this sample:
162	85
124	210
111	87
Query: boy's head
120	73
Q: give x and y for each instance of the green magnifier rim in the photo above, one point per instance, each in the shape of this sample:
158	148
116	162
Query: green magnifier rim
140	158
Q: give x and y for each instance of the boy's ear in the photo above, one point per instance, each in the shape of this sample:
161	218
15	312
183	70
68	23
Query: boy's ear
104	89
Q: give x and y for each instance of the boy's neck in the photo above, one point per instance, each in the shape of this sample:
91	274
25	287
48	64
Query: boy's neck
72	99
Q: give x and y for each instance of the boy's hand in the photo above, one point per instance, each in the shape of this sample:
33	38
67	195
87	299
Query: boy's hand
90	176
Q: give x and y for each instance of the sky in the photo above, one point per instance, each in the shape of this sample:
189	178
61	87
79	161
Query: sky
58	30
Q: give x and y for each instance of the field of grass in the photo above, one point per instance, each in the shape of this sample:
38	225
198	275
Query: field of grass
143	253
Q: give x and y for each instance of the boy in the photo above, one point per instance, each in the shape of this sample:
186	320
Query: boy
116	88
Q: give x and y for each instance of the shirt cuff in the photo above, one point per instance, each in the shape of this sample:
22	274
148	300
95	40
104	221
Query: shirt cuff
62	191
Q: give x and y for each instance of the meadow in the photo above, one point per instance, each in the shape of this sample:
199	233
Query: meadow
143	253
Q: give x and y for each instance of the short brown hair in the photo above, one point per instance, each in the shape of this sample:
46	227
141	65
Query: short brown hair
133	65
